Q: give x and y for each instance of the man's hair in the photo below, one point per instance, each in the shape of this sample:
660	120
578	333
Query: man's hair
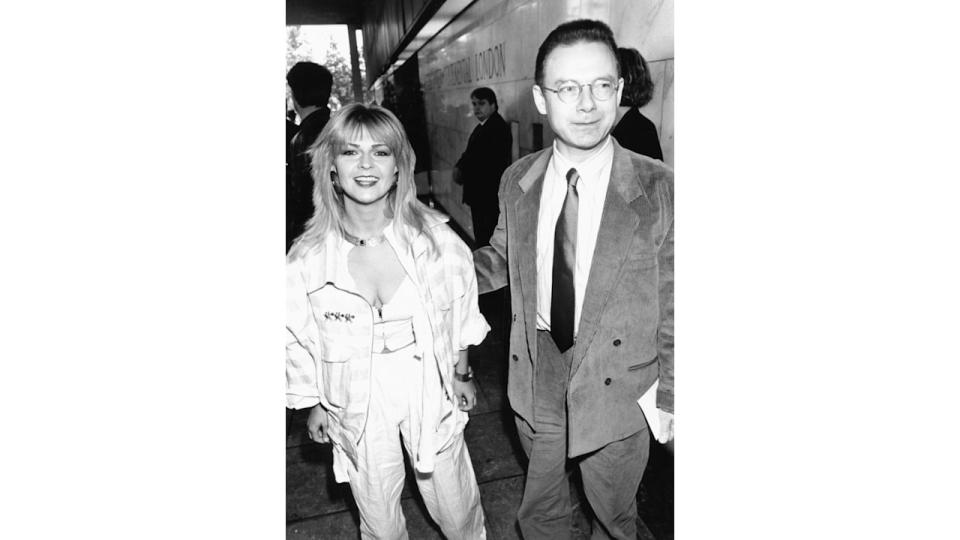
485	94
637	84
570	32
310	84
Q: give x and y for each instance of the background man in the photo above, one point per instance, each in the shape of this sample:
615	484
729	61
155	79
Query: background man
483	162
310	85
585	242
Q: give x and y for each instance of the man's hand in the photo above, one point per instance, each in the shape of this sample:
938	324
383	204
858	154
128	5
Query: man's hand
465	393
666	426
317	425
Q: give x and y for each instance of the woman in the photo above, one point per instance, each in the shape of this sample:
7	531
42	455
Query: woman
382	305
635	131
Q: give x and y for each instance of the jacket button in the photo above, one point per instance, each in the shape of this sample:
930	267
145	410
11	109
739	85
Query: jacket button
514	316
515	358
616	343
607	381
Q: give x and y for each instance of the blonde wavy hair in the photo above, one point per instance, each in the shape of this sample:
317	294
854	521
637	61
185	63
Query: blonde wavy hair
349	124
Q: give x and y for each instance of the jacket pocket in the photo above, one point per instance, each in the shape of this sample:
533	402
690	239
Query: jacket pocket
335	374
642	365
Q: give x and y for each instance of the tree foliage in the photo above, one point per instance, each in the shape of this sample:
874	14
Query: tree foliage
328	54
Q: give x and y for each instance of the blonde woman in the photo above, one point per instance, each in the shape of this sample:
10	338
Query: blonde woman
382	305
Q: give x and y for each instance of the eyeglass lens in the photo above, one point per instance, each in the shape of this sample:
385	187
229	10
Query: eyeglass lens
600	89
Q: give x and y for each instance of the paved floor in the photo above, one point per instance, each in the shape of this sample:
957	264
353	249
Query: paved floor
319	508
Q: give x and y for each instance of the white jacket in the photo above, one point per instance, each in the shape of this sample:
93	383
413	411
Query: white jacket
330	335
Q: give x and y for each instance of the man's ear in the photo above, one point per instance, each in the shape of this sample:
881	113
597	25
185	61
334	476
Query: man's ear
539	100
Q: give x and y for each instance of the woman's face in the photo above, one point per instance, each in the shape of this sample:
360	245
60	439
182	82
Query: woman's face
366	170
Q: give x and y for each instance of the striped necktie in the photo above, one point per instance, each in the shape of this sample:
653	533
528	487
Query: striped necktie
562	299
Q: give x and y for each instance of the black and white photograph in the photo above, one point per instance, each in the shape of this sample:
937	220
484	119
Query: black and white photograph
480	270
550	269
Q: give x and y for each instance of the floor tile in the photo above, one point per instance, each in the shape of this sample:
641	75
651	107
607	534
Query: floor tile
494	449
311	490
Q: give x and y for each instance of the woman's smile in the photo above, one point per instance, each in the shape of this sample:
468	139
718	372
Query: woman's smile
366	168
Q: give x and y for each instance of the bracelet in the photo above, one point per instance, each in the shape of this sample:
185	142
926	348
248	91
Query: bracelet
463	377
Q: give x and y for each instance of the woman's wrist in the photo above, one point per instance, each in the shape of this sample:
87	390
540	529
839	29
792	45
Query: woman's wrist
466	376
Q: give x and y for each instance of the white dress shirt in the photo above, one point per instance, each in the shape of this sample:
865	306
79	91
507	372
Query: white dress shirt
592	192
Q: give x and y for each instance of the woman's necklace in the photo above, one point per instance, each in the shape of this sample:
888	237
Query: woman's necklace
364	242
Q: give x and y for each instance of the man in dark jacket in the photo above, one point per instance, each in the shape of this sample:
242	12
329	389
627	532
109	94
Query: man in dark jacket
479	169
310	85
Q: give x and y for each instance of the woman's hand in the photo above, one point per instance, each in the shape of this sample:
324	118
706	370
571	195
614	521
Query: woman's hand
317	425
465	393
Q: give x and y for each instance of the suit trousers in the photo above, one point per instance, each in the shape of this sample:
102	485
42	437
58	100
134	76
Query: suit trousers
611	475
484	217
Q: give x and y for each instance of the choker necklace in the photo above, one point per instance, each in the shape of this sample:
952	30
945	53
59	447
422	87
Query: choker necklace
364	242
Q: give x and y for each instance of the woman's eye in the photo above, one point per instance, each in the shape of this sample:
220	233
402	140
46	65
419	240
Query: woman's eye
348	153
383	153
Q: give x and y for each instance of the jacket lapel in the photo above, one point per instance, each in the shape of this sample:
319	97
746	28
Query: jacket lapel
617	227
527	208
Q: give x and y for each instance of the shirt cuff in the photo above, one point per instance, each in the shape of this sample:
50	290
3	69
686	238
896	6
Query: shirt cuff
473	330
300	400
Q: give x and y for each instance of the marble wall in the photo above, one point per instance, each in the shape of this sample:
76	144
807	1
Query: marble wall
494	43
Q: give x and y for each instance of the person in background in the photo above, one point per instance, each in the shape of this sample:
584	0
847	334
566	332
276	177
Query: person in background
635	131
478	170
310	86
585	243
381	307
292	129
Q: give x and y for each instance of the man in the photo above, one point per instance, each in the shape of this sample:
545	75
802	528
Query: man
292	129
585	242
483	162
310	85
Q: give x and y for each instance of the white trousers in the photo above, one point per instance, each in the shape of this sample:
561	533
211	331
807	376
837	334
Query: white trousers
450	493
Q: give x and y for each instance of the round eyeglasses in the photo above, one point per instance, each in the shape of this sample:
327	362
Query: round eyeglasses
600	89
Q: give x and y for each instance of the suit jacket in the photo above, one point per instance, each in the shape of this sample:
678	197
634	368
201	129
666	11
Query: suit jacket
625	338
487	154
300	179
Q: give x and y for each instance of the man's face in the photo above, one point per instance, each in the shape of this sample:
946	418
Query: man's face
582	125
482	108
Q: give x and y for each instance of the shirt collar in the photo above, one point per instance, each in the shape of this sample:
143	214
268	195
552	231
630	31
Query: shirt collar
589	168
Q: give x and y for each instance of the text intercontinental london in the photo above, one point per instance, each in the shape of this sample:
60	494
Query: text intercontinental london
480	66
